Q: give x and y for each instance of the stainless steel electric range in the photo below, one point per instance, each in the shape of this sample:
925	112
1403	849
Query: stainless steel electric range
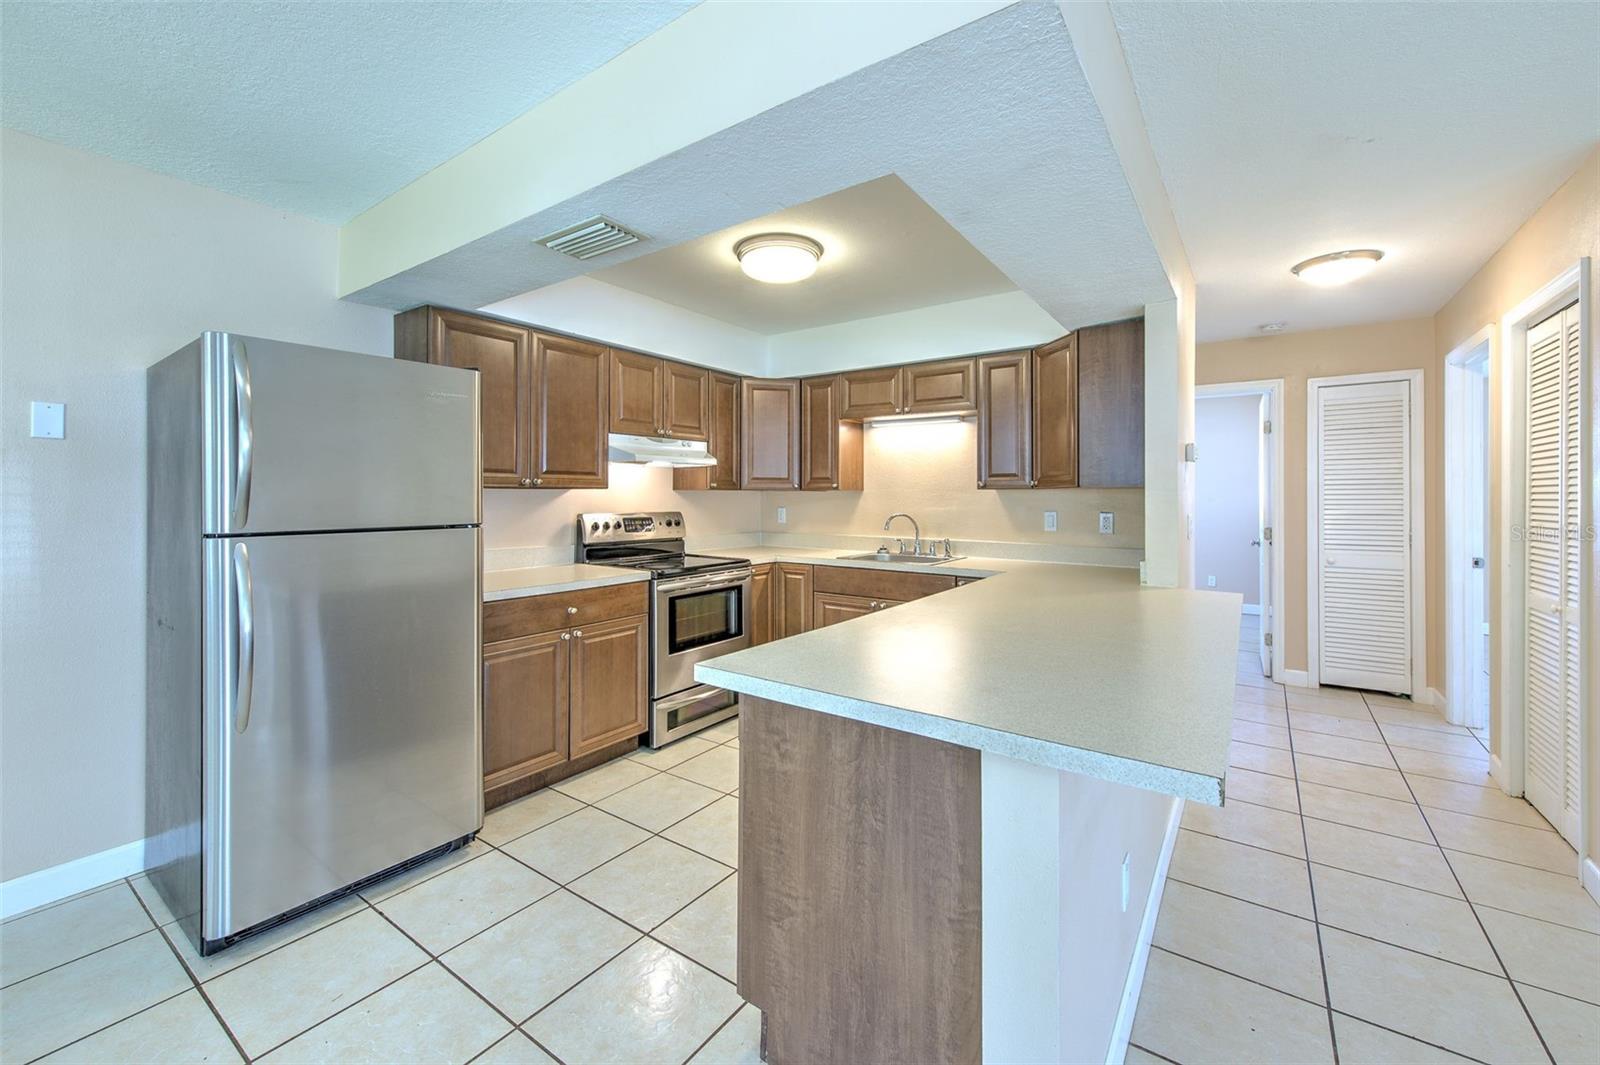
699	609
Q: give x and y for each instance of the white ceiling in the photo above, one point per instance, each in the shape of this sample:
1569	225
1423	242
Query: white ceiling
885	250
1284	130
992	126
320	108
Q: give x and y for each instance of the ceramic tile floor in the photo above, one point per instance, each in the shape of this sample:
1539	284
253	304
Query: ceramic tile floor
1367	894
592	922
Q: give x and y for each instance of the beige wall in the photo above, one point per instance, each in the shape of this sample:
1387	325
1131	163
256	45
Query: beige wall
107	269
929	470
1227	494
1296	357
1563	230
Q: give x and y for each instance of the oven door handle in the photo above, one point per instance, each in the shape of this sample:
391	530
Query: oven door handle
723	579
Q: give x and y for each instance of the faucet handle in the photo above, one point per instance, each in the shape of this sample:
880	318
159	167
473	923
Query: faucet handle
899	545
947	552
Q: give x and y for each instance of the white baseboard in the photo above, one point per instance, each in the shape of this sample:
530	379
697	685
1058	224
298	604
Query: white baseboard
1497	772
1589	873
24	893
1297	678
1250	608
1430	697
1117	1050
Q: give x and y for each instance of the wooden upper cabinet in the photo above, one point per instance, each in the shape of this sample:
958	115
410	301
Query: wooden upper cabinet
610	673
723	441
502	353
524	707
685	401
1005	420
769	433
870	393
830	448
636	391
1111	405
569	416
1055	414
935	387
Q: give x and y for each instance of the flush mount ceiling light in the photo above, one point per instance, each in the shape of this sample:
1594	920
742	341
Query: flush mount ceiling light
1337	268
778	258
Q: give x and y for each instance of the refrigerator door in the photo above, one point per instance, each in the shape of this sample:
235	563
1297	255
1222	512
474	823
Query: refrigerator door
342	712
301	439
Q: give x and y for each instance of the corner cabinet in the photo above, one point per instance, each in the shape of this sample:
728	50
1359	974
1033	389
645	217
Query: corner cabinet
769	433
723	441
543	396
1005	420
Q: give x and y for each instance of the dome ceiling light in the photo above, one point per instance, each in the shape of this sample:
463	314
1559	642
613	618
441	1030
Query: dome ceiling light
1337	268
778	258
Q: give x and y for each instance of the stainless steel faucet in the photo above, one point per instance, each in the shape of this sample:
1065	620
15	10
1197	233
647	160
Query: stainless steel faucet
916	531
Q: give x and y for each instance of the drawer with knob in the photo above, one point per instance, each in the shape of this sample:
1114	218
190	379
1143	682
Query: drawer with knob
507	619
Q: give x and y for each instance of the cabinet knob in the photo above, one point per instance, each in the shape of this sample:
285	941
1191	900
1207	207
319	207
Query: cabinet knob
566	635
538	481
572	610
578	633
713	484
526	482
873	605
835	484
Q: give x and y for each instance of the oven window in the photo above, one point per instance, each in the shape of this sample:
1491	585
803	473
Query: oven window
695	619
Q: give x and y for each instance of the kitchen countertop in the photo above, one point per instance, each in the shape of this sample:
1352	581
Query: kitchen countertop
542	580
1073	667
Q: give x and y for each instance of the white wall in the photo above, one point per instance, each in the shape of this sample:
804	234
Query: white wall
988	323
108	268
615	315
1228	494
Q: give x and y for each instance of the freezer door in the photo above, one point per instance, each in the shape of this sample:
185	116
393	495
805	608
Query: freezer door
342	716
302	439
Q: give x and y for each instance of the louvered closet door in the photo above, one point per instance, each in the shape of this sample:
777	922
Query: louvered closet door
1552	546
1364	473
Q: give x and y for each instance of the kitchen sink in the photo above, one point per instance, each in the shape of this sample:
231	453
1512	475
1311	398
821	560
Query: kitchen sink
904	560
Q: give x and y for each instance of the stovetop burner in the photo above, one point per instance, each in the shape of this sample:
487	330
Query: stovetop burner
650	541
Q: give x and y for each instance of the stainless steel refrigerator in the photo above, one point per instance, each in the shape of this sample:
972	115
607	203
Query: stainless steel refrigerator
314	643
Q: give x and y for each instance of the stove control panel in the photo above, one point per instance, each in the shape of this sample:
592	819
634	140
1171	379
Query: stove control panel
626	528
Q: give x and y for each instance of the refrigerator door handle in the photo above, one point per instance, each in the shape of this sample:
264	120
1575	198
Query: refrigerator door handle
244	425
247	638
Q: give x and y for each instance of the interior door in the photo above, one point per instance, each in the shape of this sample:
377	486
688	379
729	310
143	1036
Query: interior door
1552	559
342	712
1363	495
1263	542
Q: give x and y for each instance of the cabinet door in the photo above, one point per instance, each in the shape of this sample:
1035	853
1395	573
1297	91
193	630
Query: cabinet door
723	442
1111	405
933	387
636	392
769	434
791	600
1055	414
870	393
502	354
1005	421
524	707
610	669
570	413
821	435
685	401
760	605
830	608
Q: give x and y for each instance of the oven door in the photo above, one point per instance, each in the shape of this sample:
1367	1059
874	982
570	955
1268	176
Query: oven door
695	619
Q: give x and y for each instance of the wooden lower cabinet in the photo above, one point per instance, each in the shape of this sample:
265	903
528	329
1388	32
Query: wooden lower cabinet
882	585
791	599
830	608
610	671
761	604
524	707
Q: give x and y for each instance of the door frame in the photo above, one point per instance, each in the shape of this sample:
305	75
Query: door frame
1458	655
1508	760
1419	537
1273	389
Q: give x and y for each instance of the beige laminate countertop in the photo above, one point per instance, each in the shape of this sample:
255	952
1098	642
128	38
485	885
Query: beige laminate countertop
543	580
1073	667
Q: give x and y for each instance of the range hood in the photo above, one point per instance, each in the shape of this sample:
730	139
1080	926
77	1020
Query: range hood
659	451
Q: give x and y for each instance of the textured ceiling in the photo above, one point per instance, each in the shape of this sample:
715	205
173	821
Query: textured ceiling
885	250
992	126
321	108
1284	130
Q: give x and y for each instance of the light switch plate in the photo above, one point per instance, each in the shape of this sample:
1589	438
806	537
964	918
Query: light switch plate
1107	522
1049	521
783	515
47	421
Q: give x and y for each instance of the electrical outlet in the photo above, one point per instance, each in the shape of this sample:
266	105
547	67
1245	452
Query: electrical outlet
1107	523
47	421
783	515
1127	881
1211	582
1049	521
